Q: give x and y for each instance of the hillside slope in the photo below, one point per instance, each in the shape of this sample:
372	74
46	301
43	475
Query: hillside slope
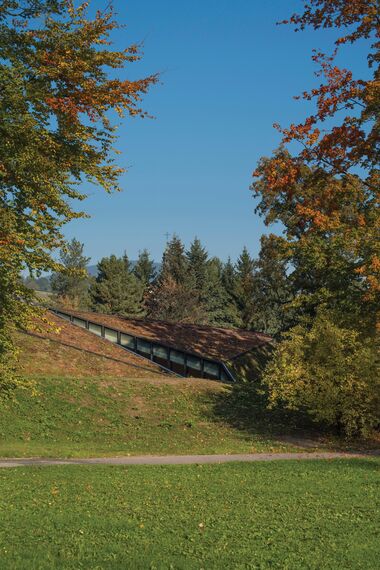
117	416
62	349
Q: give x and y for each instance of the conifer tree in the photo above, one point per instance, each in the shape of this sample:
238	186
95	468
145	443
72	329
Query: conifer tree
174	263
229	277
245	288
144	268
197	259
71	284
174	297
116	290
219	308
273	289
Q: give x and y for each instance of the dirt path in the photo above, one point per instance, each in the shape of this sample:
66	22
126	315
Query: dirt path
179	459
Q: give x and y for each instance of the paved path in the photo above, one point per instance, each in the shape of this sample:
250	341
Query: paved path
178	459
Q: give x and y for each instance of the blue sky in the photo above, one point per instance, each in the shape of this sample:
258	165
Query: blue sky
228	73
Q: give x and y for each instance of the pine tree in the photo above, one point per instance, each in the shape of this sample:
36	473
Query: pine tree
218	306
229	277
245	288
71	284
197	259
144	268
116	290
174	263
174	296
272	289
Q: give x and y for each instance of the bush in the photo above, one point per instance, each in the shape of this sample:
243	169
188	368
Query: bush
331	371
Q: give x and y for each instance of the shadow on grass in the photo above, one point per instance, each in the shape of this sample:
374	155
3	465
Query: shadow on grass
245	407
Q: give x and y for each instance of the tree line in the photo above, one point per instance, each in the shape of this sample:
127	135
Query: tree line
189	287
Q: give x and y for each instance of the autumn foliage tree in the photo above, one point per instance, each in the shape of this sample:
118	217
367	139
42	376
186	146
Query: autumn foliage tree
327	197
56	132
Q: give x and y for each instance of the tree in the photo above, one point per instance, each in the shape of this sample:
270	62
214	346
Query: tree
326	197
229	277
317	183
330	370
144	269
72	283
218	307
116	290
173	296
174	302
174	262
38	284
244	289
272	289
56	133
197	263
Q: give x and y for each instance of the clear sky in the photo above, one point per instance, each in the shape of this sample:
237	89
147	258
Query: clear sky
228	73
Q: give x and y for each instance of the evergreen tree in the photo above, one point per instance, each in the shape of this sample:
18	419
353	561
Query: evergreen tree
245	287
174	262
144	268
71	284
174	296
218	306
197	259
272	289
229	277
117	290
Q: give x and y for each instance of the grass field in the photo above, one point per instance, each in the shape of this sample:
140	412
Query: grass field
289	515
70	417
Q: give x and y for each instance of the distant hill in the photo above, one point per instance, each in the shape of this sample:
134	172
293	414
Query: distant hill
43	283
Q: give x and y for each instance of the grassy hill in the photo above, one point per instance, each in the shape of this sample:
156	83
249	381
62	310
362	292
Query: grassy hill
90	397
58	348
71	417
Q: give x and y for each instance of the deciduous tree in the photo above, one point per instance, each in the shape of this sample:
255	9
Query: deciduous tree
56	132
71	283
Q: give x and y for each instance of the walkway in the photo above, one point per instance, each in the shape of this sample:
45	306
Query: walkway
179	459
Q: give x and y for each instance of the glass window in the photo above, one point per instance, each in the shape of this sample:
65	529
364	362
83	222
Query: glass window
143	346
211	368
160	352
110	334
224	376
96	329
176	356
79	322
64	316
127	340
194	362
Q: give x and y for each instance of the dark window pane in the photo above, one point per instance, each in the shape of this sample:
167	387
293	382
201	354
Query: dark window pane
194	362
211	368
178	357
160	352
127	340
143	346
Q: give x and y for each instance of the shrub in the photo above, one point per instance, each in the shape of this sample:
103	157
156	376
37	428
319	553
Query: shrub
329	369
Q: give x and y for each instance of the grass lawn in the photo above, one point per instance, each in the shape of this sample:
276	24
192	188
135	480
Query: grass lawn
71	417
314	514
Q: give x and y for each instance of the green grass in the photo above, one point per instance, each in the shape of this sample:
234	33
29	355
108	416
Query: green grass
84	417
288	515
